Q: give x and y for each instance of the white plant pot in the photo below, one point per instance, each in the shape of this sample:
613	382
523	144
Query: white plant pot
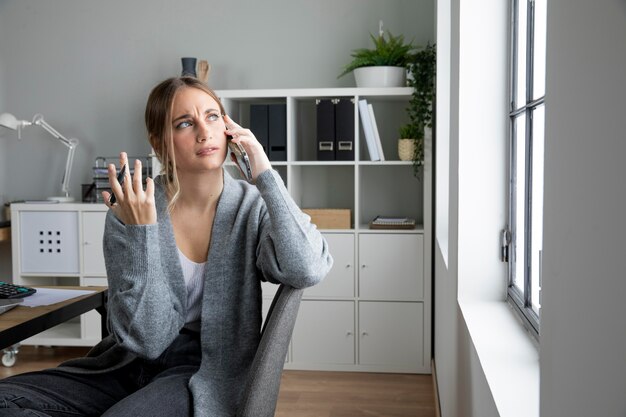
380	76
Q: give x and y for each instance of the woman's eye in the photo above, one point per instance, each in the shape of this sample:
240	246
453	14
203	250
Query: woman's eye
213	117
183	125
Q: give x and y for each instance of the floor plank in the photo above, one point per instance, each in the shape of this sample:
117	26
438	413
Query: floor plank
302	393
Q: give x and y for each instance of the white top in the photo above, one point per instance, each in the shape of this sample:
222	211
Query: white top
193	273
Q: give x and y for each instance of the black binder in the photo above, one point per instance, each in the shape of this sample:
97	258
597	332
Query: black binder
259	124
277	128
325	130
344	129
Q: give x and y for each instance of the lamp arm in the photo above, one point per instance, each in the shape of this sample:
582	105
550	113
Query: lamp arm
39	121
70	143
65	183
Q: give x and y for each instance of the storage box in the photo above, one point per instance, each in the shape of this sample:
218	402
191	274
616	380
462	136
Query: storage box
329	218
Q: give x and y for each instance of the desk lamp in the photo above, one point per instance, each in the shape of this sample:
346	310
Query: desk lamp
9	121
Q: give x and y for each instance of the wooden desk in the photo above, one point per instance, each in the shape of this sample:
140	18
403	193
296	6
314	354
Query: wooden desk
23	322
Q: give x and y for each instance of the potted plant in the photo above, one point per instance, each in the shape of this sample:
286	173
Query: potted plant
384	65
422	69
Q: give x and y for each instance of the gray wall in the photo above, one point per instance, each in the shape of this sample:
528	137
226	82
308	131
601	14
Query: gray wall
583	344
88	66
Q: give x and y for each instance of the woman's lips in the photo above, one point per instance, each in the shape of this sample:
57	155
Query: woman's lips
207	151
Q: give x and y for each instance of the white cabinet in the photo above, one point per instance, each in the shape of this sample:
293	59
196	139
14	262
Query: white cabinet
60	244
391	335
339	283
391	267
93	229
324	335
373	310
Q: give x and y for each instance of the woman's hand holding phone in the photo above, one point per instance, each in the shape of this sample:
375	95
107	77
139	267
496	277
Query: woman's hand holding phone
132	204
258	159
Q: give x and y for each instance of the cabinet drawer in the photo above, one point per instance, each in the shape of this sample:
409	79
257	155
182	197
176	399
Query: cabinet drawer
49	242
340	280
391	334
324	333
391	267
93	232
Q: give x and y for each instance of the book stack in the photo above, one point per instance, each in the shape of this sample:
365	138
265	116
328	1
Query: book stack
380	222
370	128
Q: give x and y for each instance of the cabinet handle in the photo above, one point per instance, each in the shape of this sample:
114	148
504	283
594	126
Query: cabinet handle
365	334
348	333
86	243
348	266
363	266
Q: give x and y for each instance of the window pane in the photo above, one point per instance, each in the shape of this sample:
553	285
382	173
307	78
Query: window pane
520	68
519	194
539	49
537	203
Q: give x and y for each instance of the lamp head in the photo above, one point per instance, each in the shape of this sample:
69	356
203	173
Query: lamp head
10	122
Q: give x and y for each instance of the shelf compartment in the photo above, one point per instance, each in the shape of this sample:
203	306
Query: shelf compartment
389	190
390	116
316	187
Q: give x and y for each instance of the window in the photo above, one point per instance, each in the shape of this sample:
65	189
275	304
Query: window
524	237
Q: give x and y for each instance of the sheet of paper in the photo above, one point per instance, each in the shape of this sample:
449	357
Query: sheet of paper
47	296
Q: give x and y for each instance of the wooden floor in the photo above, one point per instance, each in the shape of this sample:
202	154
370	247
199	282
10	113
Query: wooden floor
302	393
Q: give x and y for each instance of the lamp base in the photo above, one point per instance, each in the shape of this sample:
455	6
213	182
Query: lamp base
61	199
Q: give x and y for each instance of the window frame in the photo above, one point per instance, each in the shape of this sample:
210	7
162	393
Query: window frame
522	300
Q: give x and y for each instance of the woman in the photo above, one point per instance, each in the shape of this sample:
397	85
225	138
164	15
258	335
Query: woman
184	257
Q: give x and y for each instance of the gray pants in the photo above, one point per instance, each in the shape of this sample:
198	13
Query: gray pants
142	388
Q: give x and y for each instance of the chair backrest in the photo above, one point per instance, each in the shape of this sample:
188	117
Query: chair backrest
261	392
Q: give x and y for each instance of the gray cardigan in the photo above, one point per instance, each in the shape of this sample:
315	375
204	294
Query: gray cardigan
259	233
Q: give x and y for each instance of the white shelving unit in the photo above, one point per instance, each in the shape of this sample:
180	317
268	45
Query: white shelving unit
373	311
60	244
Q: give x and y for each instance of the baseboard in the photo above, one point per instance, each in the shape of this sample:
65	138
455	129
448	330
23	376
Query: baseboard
435	389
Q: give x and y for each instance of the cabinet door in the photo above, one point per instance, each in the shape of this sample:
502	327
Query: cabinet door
49	242
93	231
324	333
391	267
391	334
340	280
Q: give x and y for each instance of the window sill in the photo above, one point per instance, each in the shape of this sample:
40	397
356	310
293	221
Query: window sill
508	355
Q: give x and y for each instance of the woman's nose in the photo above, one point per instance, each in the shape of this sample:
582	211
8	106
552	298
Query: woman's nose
202	132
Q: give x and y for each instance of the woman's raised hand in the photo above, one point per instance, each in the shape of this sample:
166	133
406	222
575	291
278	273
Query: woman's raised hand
134	205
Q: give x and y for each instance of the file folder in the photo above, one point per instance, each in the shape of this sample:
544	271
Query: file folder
344	129
259	124
325	110
277	128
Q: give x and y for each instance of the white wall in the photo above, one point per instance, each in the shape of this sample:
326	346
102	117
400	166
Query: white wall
467	269
583	324
88	66
583	331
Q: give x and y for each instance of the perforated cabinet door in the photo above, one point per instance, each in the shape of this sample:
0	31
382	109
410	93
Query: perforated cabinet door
49	242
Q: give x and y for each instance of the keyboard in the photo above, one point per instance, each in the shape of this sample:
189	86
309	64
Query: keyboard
15	291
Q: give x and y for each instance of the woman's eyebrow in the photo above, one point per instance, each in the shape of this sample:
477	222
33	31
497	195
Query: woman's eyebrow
186	115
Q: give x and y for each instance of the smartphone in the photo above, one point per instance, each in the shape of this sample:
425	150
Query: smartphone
120	179
242	158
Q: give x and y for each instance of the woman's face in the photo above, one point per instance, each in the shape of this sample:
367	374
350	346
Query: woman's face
198	131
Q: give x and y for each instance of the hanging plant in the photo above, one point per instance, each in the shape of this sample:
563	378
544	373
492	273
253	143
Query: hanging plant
422	69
